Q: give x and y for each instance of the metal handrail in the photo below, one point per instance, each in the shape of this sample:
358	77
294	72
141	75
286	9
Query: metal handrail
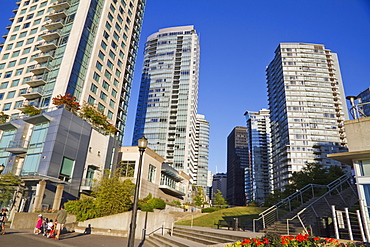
270	212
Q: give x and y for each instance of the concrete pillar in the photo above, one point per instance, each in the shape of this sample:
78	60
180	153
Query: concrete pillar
40	191
58	197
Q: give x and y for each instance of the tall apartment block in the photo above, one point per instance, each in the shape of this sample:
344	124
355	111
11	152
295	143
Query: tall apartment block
219	182
83	48
202	151
168	99
307	108
259	148
239	174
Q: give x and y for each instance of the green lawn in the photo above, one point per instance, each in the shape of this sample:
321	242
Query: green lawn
245	215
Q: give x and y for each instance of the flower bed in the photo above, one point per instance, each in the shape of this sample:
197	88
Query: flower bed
295	241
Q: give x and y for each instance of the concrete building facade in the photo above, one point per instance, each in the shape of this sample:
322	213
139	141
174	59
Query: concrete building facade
307	107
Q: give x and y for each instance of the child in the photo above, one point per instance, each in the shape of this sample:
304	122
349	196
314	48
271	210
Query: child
38	225
45	226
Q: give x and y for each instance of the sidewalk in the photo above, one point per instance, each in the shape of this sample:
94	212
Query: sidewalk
17	238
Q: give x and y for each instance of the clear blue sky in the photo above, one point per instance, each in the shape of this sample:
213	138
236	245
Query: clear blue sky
238	39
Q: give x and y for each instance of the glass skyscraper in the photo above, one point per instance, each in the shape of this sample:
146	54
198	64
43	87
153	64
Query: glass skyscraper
307	108
168	99
259	147
202	151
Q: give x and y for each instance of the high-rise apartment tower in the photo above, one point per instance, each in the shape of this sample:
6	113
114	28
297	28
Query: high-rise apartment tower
202	151
168	99
259	147
84	48
307	108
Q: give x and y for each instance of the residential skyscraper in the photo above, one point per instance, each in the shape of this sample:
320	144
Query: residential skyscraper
364	99
307	108
55	47
168	99
202	150
259	148
239	174
84	48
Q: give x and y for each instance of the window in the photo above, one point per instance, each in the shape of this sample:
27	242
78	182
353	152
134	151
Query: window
23	11
125	37
13	37
115	36
105	35
22	34
103	96
111	103
115	82
19	44
29	17
110	115
33	8
1	96
31	164
33	31
18	104
9	47
4	85
11	64
101	55
91	100
118	73
20	19
2	66
15	83
22	91
110	17
26	3
119	63
6	56
22	61
107	74
7	106
17	28
10	95
27	50
114	93
119	18
66	170
43	4
112	55
96	77
121	54
30	40
99	66
27	25
127	168
151	173
118	27
16	53
110	64
105	85
38	21
108	26
93	88
8	74
18	71
104	45
101	107
41	12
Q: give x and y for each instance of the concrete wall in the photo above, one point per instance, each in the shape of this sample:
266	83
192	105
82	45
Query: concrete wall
358	134
29	220
153	221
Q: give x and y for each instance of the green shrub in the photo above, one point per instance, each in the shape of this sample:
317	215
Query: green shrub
83	209
177	203
157	203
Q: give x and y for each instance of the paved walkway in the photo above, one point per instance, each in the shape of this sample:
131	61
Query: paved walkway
20	238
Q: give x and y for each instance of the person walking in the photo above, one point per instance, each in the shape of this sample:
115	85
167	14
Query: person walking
60	219
38	227
3	219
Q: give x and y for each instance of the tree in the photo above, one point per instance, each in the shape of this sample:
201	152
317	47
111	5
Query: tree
3	117
8	184
219	200
30	110
97	118
113	195
199	199
69	101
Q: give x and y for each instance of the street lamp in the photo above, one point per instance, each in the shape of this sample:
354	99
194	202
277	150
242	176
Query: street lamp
142	144
2	168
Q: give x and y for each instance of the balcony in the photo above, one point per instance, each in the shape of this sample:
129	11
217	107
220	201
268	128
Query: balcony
33	93
55	15
43	57
61	4
9	126
86	185
171	191
37	119
38	80
53	25
17	147
47	46
51	35
40	69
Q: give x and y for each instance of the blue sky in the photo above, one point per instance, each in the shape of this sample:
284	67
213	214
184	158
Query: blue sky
238	39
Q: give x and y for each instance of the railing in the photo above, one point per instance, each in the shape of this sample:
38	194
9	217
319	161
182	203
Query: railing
162	228
297	199
18	144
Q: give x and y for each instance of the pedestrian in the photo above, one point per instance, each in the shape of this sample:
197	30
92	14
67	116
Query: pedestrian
60	219
38	226
3	219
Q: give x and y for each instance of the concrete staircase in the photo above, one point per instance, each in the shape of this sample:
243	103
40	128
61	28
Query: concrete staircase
184	236
321	208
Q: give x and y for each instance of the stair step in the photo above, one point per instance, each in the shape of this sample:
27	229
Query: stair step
174	241
215	239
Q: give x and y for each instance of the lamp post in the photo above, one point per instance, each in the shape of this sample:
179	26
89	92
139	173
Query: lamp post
2	168
142	143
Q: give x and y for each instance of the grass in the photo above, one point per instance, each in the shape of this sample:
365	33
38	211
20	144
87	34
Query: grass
245	215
